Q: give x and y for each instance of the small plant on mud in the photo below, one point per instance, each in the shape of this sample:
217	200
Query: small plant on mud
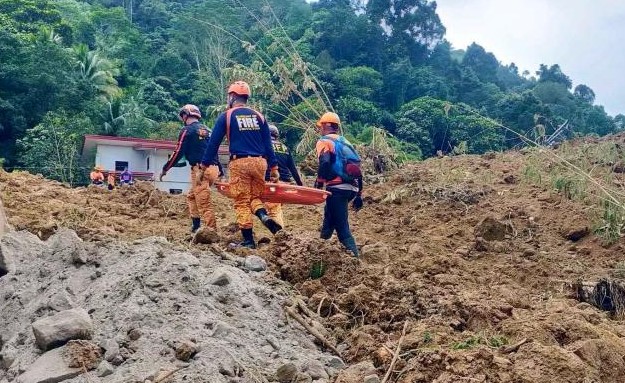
494	341
467	344
570	187
317	269
612	222
619	270
533	171
497	341
428	337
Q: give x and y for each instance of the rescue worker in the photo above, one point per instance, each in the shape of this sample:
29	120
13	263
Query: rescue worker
250	152
110	180
192	142
96	176
286	168
125	178
335	214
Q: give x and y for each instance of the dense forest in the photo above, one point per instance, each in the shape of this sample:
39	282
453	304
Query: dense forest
124	67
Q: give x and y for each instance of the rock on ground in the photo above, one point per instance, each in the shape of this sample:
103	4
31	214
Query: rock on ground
51	367
255	263
61	327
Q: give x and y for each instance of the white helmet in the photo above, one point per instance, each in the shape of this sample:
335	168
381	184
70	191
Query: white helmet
273	130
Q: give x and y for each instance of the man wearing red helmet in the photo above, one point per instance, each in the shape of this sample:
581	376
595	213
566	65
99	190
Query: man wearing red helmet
251	151
191	145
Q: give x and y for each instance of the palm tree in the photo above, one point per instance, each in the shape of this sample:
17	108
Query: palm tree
98	71
48	35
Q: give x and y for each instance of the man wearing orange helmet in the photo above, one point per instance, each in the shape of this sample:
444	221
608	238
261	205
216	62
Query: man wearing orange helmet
191	145
339	171
251	151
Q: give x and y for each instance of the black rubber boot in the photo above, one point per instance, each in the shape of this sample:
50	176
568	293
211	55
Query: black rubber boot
195	225
350	243
248	238
269	223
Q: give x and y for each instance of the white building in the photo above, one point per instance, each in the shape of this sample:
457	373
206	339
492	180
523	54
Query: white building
144	158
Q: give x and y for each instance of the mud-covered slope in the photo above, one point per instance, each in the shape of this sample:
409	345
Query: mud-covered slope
473	254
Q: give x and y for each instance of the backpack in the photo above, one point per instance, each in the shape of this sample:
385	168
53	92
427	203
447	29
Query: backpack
347	161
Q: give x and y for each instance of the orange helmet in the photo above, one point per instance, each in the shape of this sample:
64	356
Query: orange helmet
329	117
190	110
240	87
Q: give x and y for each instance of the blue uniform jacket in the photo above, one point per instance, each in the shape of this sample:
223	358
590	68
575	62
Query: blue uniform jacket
249	136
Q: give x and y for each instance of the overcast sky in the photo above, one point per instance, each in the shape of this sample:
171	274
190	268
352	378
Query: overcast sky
586	37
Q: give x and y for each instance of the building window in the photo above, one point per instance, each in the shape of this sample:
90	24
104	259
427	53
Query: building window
147	165
120	166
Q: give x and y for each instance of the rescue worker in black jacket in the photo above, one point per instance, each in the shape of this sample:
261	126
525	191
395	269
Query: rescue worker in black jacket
192	142
288	172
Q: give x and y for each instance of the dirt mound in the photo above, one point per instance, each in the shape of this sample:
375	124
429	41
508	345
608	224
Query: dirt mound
157	309
473	255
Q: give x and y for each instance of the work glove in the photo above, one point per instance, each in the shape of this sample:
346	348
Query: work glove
357	203
163	174
274	175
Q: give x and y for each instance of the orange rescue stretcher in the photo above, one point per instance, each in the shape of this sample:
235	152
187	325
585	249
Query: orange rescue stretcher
283	193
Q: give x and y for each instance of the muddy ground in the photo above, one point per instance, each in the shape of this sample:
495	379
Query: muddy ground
466	256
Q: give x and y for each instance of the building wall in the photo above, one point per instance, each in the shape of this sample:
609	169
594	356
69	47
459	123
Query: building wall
106	155
176	178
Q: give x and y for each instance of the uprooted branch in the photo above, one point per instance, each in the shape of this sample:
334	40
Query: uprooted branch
395	354
292	311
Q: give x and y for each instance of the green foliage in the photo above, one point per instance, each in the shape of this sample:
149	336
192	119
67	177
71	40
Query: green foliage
428	337
484	64
317	269
494	341
612	222
553	74
52	148
97	71
466	344
128	65
363	82
438	125
355	109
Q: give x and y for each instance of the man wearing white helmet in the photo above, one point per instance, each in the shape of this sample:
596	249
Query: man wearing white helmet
192	142
287	169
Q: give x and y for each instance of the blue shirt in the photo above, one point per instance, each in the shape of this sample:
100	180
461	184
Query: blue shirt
249	136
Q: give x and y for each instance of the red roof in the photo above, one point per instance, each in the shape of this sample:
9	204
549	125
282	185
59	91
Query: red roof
92	140
134	174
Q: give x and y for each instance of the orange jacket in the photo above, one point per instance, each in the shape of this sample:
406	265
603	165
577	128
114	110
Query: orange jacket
96	176
325	154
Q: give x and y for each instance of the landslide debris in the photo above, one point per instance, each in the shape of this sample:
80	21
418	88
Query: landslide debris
474	253
143	311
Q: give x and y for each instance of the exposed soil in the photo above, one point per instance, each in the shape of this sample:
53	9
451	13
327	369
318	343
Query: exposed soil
465	249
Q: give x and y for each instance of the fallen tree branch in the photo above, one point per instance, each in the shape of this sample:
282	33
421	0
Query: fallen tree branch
291	312
395	354
515	347
161	378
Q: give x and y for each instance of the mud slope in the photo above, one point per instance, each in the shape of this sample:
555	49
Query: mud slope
466	250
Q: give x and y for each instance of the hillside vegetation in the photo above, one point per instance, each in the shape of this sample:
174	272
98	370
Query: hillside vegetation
123	67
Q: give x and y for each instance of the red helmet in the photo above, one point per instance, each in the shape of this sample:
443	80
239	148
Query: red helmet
190	110
241	88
